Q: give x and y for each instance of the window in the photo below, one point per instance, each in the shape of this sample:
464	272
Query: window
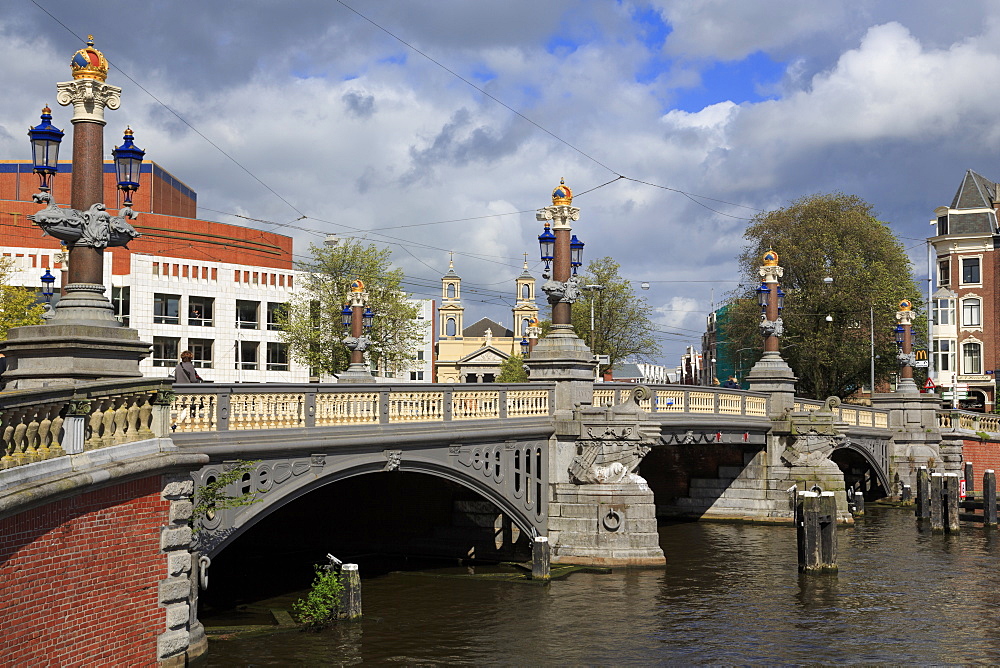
277	357
201	311
451	291
942	225
165	351
970	270
449	328
120	300
247	315
971	313
525	323
944	271
276	311
416	375
944	312
246	355
944	355
420	355
202	351
972	358
166	309
525	292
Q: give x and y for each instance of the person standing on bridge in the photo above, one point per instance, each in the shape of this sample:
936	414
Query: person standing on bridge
185	371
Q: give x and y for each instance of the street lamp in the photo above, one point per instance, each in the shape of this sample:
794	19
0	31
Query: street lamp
128	163
547	244
771	298
904	337
575	253
47	281
358	318
45	141
525	346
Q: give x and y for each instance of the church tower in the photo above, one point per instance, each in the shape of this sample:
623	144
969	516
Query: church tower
525	310
451	310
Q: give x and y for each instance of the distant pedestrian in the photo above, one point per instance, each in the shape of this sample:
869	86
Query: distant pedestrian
185	371
731	383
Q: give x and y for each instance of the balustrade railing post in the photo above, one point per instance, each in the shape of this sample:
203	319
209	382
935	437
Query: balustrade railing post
383	401
502	398
222	400
310	408
448	404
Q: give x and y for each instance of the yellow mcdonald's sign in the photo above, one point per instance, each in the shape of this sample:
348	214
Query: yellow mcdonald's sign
920	354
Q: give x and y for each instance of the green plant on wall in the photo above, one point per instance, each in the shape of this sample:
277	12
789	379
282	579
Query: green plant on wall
322	604
213	497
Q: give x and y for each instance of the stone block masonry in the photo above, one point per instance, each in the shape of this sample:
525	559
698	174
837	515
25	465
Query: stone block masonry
80	578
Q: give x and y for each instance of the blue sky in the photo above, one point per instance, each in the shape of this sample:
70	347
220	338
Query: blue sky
752	103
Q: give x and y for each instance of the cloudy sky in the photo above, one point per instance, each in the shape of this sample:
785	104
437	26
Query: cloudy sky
441	125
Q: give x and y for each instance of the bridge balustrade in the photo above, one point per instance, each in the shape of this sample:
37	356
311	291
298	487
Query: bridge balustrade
968	421
686	399
218	407
34	423
852	414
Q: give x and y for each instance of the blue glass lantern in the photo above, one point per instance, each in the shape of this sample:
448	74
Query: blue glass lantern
763	295
575	253
781	298
547	244
525	346
346	316
128	162
367	318
45	140
900	334
47	281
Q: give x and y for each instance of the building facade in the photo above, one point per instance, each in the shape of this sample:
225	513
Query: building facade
964	305
473	354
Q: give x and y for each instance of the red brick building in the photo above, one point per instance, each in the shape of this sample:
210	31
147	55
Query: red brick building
966	302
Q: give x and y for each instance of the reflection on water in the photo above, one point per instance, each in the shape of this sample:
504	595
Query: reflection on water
730	594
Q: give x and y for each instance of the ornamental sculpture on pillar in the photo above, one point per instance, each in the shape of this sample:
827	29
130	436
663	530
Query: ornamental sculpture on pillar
904	316
771	324
557	289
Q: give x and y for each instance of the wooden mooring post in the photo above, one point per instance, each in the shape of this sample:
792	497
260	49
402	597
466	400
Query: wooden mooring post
936	510
952	485
816	531
923	509
350	601
969	483
540	559
989	498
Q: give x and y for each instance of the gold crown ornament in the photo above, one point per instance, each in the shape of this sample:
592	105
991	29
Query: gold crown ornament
89	63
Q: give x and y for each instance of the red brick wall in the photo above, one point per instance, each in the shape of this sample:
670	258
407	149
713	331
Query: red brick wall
982	456
79	579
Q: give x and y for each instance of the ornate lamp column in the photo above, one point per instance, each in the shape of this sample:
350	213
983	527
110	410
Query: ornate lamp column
357	319
562	355
771	373
904	337
82	340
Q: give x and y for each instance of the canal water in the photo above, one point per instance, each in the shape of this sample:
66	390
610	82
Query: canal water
730	594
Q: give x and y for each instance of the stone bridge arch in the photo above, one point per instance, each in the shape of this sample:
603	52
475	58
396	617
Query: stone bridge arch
874	452
511	475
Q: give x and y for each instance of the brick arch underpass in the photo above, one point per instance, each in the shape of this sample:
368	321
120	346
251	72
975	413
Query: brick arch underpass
511	475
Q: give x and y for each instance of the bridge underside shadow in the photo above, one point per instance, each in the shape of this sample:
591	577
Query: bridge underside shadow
861	474
381	521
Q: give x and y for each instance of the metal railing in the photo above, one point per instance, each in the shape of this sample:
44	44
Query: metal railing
218	407
686	399
45	423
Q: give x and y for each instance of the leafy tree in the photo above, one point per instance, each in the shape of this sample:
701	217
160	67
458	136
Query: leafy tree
819	236
622	328
17	305
512	370
312	321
